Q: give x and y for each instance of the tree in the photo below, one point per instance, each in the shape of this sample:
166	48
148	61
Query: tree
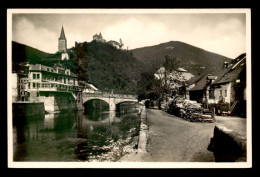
81	60
170	68
146	86
164	76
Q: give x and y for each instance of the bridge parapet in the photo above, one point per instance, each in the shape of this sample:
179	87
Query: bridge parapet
109	95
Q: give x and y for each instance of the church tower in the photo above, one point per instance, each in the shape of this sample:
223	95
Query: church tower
62	41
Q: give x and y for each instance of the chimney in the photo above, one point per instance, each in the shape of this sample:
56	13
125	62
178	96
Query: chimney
225	64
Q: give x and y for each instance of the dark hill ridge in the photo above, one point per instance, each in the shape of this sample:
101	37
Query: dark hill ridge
22	53
192	58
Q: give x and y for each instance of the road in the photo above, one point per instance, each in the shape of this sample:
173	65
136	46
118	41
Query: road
172	139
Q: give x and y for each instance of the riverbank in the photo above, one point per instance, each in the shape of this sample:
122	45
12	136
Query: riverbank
137	154
124	140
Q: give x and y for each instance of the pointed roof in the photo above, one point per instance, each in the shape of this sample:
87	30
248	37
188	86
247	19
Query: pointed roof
62	34
232	72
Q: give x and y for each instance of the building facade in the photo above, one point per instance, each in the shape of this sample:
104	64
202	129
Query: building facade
56	87
230	87
226	92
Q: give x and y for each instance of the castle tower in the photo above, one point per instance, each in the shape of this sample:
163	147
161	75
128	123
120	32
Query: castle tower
62	41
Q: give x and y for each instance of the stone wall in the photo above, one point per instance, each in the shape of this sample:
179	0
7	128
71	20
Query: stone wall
57	101
25	109
227	145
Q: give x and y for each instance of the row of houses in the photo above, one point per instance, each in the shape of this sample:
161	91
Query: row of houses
225	92
33	80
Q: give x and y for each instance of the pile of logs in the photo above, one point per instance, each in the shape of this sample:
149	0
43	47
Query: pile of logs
191	111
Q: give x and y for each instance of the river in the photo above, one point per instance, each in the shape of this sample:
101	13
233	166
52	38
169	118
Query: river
73	135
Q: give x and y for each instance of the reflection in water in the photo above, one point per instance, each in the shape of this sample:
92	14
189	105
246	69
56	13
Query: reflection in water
69	136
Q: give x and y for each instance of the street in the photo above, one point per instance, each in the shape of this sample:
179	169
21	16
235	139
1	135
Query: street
172	139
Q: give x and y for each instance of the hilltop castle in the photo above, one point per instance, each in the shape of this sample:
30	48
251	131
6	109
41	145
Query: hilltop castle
99	38
62	45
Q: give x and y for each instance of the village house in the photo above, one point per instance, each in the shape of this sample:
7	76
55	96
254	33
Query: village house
226	92
230	88
88	88
174	80
200	89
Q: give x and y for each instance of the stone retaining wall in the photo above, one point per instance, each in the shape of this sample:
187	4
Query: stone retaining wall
227	145
143	131
27	108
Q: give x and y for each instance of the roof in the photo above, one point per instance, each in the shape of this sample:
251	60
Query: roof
201	84
195	79
90	86
54	70
62	34
232	72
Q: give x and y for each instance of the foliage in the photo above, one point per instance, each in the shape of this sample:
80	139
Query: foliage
145	86
110	68
81	61
150	87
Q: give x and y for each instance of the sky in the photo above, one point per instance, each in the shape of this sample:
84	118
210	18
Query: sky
221	33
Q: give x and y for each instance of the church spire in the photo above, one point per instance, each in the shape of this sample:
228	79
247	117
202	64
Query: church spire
62	46
62	34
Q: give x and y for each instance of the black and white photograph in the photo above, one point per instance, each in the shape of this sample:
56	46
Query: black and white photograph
129	88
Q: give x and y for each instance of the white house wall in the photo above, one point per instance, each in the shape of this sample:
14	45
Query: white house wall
227	98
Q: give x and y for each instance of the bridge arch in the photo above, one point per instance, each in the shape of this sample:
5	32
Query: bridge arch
111	99
119	101
95	104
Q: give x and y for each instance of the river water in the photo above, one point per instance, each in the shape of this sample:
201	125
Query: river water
68	136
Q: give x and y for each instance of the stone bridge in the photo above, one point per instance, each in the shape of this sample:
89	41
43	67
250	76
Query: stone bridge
111	99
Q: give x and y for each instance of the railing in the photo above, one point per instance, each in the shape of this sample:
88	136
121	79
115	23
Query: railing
109	95
41	86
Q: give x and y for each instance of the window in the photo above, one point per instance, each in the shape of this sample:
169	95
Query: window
64	80
225	93
34	76
220	92
211	94
34	85
28	85
38	76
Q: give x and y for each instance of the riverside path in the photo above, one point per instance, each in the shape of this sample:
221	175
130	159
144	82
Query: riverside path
173	139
